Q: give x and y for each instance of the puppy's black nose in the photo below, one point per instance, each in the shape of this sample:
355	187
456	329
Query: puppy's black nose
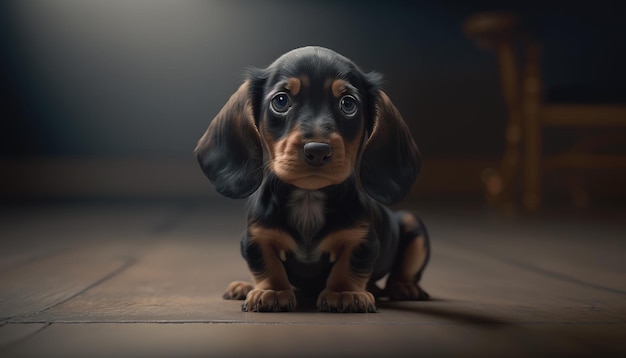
317	154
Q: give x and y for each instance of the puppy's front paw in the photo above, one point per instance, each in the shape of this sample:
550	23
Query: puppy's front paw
406	291
269	301
349	301
237	290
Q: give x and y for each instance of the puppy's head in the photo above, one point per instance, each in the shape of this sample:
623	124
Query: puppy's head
313	118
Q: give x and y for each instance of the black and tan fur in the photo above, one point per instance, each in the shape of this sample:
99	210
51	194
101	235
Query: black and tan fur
318	147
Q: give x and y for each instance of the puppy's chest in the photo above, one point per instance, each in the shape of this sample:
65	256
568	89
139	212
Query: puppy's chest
306	213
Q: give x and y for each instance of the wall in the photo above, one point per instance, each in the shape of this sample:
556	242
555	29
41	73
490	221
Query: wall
118	82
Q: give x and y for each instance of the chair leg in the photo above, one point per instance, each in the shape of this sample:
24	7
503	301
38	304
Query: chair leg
511	161
532	130
500	185
532	166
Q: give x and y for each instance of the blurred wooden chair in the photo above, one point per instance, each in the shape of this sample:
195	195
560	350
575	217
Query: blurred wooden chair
518	54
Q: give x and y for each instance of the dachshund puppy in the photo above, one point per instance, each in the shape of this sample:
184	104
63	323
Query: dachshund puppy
318	147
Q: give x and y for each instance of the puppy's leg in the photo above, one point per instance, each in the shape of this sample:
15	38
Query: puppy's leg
237	290
272	292
346	286
413	255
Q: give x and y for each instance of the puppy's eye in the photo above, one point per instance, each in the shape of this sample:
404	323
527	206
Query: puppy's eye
281	102
348	105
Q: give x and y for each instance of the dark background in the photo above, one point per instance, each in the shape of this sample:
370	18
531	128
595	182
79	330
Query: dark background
138	81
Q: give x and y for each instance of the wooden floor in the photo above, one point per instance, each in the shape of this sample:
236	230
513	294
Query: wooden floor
145	279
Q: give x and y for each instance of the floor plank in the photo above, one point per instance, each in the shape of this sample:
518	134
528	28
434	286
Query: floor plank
46	283
32	232
12	334
321	340
52	253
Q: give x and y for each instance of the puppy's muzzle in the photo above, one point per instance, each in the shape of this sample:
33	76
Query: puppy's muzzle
317	154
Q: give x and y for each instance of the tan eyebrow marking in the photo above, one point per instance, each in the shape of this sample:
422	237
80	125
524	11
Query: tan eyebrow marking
338	87
293	85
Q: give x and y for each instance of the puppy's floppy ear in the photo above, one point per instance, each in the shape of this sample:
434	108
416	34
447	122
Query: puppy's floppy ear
230	151
390	161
